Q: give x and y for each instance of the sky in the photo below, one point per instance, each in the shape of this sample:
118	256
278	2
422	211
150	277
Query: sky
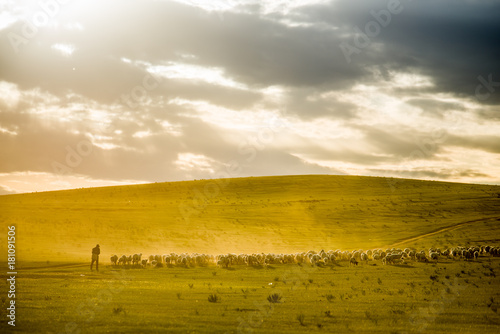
97	93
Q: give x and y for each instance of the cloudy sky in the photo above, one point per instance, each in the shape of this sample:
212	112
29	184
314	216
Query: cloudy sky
116	92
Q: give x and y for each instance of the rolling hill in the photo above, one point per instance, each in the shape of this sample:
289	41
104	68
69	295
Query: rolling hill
256	214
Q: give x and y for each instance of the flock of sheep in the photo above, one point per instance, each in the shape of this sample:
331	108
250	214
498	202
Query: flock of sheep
321	258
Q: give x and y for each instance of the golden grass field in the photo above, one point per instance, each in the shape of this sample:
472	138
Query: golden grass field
57	293
264	214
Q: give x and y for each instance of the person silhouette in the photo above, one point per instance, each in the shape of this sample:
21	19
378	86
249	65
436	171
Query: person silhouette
95	257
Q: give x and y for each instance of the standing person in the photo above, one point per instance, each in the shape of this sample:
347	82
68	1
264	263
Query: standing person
95	257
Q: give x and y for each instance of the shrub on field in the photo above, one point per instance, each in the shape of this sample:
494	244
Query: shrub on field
300	318
330	297
274	298
118	310
213	298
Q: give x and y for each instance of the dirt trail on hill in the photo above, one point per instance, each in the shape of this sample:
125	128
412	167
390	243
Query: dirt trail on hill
441	230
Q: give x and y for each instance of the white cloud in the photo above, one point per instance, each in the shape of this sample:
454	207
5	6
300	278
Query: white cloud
195	162
22	182
211	75
7	131
64	49
142	134
9	94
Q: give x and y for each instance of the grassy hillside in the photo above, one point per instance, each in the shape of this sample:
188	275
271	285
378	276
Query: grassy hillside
447	297
264	214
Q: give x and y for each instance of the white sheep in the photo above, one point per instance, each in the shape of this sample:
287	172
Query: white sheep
136	258
434	256
122	260
364	257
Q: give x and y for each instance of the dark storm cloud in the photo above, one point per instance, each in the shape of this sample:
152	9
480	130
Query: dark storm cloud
442	174
252	49
454	42
44	145
451	42
478	142
403	142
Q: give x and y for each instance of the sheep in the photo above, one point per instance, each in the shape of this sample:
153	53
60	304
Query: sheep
183	261
468	254
252	261
122	260
321	258
392	258
315	259
434	256
411	254
299	258
364	257
136	258
333	258
495	251
223	261
421	257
